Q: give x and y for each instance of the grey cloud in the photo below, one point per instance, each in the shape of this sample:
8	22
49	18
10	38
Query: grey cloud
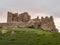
45	6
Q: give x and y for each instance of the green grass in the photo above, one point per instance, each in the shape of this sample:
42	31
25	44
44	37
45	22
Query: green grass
28	36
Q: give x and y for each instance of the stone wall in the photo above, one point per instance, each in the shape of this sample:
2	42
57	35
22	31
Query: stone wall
37	22
25	17
47	23
15	17
16	20
13	25
9	17
6	25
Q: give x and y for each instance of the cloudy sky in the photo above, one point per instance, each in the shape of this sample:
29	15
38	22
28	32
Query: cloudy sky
34	7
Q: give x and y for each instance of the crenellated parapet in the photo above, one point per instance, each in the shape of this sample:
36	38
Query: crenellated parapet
47	23
24	20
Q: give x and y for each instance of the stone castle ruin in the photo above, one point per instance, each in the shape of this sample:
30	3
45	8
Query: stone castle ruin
24	17
15	20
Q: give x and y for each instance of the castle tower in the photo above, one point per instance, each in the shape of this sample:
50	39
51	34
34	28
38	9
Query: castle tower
25	17
12	17
9	17
15	17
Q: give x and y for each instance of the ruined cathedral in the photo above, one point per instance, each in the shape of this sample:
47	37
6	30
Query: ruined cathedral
23	20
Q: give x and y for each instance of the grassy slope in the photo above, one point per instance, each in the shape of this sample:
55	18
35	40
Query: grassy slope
27	36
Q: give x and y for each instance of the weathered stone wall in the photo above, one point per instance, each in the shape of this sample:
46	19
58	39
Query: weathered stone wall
16	20
47	23
12	17
15	17
37	22
24	17
9	17
6	25
13	25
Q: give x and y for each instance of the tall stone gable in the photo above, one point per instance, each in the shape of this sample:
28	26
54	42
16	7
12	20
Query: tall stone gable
24	20
12	17
24	17
9	17
15	17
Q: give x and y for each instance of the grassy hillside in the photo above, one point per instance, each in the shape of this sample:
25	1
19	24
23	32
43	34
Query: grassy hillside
27	36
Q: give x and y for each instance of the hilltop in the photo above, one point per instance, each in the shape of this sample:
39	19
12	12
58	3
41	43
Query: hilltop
29	36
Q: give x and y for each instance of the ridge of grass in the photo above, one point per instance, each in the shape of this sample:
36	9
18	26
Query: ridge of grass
29	36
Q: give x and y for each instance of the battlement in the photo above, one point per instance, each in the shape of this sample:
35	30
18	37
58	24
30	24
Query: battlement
24	20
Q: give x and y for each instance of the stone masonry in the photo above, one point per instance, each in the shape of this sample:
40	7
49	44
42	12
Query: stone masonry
16	20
